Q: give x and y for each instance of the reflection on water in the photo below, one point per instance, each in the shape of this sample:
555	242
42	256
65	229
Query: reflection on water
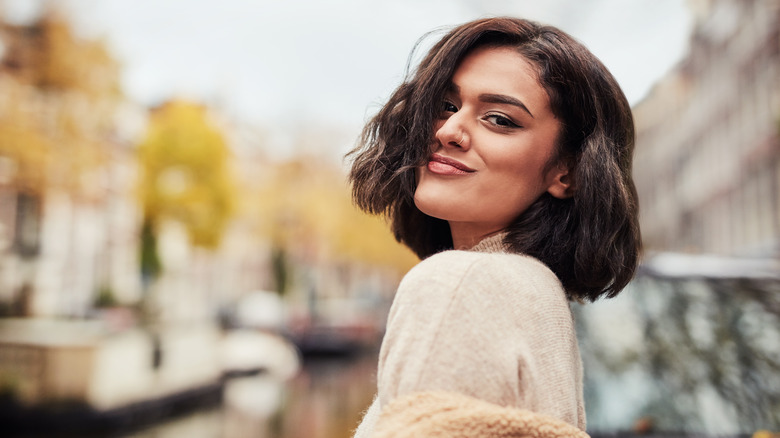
324	400
201	424
327	398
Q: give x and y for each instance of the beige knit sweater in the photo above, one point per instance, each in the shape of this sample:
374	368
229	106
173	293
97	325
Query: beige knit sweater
483	323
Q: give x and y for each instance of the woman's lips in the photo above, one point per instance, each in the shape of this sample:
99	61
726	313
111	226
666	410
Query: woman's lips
442	165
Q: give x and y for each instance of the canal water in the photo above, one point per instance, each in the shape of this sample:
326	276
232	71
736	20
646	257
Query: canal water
324	400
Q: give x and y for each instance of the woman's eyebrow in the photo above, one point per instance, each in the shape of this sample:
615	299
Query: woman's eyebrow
504	99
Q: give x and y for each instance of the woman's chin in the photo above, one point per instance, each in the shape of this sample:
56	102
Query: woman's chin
444	211
428	211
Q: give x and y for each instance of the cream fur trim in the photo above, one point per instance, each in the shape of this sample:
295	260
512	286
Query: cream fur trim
446	414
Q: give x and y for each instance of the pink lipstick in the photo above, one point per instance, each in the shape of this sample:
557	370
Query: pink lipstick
442	165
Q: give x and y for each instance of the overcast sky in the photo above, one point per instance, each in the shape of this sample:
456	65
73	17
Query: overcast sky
335	61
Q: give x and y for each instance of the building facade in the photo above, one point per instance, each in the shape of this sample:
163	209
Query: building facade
67	172
707	160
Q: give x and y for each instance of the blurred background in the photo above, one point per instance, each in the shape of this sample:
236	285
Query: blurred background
179	255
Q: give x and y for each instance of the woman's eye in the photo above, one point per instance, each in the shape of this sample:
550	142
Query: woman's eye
501	121
449	107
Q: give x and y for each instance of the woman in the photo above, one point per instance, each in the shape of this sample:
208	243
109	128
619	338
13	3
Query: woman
504	162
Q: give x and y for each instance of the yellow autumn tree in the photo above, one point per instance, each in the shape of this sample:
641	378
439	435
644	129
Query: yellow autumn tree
307	202
85	80
25	149
56	114
185	172
65	62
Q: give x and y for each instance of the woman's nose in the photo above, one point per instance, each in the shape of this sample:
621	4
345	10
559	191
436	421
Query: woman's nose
452	132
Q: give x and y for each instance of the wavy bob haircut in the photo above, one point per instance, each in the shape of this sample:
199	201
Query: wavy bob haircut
591	240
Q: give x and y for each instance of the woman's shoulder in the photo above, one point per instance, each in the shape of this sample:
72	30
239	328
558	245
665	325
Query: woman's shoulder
463	264
471	271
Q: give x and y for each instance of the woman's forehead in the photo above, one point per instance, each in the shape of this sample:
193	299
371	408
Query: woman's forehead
500	71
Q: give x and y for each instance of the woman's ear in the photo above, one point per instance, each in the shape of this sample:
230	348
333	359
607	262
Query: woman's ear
561	182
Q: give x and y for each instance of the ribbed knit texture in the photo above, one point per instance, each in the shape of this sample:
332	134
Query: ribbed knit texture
486	324
453	415
491	244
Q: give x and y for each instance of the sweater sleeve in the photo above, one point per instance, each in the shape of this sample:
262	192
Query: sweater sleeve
479	325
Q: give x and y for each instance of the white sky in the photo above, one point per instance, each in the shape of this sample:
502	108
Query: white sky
286	62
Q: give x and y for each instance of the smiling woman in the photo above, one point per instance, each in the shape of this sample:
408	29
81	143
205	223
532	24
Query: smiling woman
504	162
487	138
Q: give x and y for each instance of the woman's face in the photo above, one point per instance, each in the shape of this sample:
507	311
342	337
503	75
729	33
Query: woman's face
492	142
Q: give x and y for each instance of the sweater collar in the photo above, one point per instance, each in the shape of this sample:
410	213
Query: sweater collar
494	243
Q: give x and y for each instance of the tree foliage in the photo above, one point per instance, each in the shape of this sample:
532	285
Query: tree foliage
185	172
65	62
306	204
56	112
26	151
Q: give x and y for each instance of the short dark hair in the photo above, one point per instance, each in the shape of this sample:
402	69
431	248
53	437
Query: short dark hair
591	241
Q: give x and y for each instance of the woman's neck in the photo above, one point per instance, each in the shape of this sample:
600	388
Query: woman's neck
466	236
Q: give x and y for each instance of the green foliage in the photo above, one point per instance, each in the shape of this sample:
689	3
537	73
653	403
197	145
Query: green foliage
105	298
9	384
151	267
280	267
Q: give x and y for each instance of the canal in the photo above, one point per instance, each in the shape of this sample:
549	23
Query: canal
324	400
